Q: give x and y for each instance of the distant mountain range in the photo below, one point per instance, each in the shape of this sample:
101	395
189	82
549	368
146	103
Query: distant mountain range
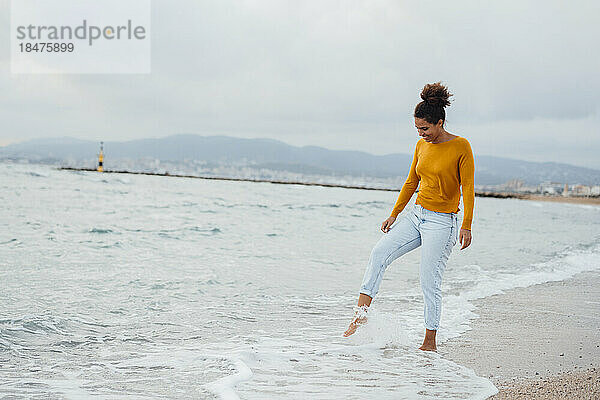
278	156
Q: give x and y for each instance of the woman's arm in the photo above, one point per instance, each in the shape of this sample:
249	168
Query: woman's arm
466	166
409	187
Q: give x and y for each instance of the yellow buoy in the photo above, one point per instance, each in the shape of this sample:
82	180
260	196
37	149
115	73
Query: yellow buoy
101	158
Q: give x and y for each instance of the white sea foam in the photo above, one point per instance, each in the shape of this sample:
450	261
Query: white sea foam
459	311
224	387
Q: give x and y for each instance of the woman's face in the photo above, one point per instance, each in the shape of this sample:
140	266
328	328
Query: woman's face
427	131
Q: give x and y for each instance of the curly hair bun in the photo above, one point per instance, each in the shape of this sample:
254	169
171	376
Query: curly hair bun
436	94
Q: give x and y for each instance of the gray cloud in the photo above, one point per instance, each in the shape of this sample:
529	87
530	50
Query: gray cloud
340	74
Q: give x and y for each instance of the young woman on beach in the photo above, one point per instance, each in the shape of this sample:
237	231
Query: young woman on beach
442	163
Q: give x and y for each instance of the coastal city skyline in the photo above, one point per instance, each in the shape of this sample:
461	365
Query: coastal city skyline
253	161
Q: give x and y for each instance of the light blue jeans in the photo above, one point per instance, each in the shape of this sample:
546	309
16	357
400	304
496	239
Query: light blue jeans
436	233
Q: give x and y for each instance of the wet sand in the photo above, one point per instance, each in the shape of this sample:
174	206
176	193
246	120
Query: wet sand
539	342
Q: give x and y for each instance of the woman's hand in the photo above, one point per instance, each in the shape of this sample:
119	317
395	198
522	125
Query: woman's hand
465	238
385	226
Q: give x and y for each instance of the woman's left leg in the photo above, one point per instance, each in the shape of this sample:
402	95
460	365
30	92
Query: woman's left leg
439	233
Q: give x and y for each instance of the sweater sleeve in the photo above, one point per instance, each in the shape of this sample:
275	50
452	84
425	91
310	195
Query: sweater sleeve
466	166
409	187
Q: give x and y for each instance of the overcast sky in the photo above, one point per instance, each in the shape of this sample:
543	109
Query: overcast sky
338	74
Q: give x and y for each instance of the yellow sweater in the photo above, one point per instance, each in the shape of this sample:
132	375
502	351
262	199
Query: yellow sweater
441	168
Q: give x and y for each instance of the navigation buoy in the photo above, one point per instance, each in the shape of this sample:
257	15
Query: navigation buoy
101	158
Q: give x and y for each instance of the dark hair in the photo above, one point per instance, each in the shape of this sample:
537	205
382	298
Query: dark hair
435	98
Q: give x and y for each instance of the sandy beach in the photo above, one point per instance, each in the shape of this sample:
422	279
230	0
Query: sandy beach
539	342
562	199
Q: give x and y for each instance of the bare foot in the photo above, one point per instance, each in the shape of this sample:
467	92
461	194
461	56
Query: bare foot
429	341
354	325
428	347
360	318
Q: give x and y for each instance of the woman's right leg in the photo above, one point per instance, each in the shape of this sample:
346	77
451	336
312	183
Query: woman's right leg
401	238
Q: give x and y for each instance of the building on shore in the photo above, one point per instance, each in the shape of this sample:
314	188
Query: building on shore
581	190
551	188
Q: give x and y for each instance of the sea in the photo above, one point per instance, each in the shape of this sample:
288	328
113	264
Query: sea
117	286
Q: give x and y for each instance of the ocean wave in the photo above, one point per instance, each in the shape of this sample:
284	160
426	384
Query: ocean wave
34	325
38	174
101	230
374	204
206	231
459	310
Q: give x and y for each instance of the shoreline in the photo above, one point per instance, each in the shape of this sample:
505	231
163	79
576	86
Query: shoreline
563	199
537	342
501	195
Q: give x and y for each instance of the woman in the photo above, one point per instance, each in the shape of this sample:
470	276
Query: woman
442	162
